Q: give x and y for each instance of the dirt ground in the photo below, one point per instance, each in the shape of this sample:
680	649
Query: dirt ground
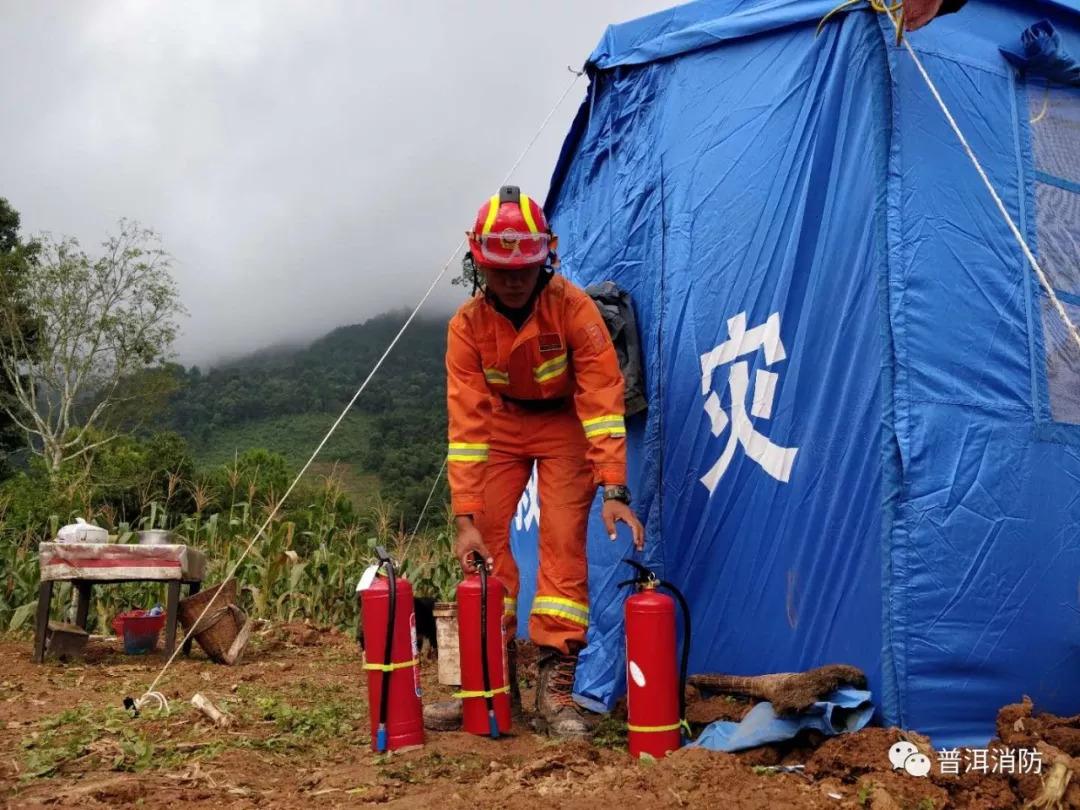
300	739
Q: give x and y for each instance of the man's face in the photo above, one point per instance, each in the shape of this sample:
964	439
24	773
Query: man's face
512	287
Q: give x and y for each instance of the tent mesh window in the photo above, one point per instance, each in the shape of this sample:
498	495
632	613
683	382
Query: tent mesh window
1055	130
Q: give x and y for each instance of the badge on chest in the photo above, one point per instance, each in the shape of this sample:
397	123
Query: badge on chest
551	343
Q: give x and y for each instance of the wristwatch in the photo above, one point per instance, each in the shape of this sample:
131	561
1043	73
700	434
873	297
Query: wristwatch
617	492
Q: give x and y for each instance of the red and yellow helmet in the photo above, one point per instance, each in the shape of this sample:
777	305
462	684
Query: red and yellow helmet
511	232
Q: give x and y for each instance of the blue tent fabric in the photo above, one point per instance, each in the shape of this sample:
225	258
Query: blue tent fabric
704	24
845	710
848	454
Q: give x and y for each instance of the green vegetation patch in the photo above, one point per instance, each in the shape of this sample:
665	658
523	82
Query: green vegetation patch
611	733
98	738
302	718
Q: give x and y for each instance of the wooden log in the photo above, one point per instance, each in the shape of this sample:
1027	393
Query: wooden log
204	705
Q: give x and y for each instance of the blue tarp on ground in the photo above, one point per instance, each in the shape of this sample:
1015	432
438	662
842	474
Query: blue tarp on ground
863	439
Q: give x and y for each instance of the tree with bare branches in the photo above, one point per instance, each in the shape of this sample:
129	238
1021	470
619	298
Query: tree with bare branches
16	257
97	324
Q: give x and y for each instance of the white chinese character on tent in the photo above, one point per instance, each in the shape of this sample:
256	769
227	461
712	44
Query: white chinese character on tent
774	459
528	508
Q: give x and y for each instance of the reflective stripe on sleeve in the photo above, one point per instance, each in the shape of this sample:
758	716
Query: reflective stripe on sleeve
493	375
551	368
611	424
509	606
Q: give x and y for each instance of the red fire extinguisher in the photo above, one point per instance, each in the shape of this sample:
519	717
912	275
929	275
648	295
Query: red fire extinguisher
485	689
655	698
389	619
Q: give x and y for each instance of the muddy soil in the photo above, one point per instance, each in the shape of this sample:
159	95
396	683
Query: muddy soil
300	738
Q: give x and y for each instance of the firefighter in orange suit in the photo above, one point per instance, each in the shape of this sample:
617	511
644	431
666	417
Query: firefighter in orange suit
532	376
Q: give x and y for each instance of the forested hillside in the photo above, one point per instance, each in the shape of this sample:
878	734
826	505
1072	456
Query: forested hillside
284	400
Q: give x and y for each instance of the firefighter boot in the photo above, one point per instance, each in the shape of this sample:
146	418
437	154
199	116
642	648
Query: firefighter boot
557	712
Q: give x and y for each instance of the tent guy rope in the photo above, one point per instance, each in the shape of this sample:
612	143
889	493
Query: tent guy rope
1043	280
427	503
150	696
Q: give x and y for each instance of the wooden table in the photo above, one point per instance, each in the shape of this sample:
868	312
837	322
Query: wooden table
88	564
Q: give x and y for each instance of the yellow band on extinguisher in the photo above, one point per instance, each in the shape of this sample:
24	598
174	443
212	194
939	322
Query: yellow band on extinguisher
657	729
391	667
482	693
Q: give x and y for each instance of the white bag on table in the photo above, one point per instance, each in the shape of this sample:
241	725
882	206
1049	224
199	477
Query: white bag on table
82	532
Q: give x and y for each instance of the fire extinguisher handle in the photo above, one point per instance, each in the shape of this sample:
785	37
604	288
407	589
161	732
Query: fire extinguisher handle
644	574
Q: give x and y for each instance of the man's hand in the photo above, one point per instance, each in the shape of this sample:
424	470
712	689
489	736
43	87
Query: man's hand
918	13
467	541
616	511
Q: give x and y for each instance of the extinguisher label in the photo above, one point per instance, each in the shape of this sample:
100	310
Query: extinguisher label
415	653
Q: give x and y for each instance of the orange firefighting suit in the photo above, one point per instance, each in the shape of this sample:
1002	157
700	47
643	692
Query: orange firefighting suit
562	353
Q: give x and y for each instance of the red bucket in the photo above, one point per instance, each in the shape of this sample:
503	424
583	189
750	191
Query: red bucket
139	630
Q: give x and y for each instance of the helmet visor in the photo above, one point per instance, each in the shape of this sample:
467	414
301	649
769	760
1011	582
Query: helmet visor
513	248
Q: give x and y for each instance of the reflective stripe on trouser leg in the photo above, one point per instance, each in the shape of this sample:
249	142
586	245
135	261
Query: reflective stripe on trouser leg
505	478
576	612
560	610
510	606
509	616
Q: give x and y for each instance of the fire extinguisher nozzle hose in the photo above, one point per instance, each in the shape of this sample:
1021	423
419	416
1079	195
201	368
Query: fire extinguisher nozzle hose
684	662
384	698
485	669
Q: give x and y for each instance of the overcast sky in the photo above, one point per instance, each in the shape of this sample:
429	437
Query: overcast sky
308	164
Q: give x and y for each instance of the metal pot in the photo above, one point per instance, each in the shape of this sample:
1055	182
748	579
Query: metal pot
157	537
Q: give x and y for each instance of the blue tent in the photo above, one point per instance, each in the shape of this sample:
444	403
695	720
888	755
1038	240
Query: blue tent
863	435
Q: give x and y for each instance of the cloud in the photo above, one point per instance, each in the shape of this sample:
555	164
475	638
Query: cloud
308	164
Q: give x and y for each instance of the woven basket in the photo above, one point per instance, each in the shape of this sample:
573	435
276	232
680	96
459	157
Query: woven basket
221	624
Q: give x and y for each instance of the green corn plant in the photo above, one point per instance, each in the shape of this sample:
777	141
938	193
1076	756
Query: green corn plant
305	565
